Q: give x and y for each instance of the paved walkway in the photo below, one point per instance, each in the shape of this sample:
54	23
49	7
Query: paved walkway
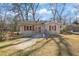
25	43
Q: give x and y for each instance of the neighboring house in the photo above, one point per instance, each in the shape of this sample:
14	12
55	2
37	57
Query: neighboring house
73	28
33	27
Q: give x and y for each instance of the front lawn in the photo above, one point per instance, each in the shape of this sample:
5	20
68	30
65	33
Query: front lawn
41	47
74	42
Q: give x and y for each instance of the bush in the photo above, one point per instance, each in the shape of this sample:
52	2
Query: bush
1	36
9	36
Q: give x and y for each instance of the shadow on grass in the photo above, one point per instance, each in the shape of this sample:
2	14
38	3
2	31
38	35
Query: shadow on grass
27	53
65	44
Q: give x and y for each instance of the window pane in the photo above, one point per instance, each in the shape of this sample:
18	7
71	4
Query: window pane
27	27
55	27
24	28
49	28
30	27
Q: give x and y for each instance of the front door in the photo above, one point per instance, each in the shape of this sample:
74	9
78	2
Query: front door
39	29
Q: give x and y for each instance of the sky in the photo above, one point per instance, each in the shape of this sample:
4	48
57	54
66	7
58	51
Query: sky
43	10
47	15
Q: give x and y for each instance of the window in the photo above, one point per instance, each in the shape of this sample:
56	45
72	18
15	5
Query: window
55	27
49	28
30	28
24	28
27	27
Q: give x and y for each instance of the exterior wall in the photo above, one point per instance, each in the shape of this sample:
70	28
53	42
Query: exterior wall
26	32
58	28
39	28
43	27
52	24
21	28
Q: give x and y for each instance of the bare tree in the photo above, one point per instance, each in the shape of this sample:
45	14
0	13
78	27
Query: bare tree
34	8
16	8
76	11
27	8
53	10
57	11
